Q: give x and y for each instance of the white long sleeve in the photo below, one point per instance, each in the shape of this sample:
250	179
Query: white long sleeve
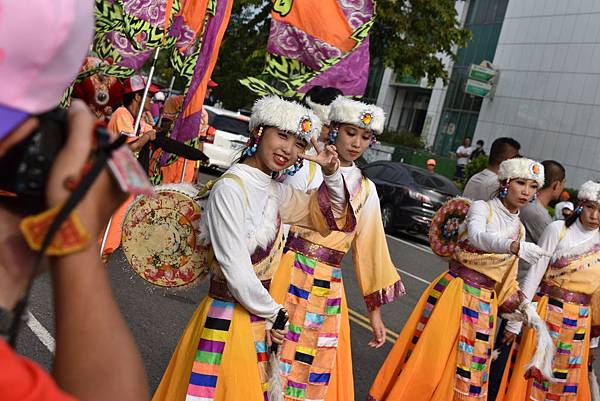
337	193
549	242
225	216
491	236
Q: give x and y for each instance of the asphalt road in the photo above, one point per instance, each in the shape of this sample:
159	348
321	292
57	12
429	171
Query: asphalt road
157	317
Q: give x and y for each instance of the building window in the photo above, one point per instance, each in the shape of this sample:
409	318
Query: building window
414	111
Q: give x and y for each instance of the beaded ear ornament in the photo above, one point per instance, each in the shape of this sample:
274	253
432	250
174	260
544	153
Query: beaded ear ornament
333	133
503	191
253	143
294	168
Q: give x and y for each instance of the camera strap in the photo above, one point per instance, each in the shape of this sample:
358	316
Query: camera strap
103	153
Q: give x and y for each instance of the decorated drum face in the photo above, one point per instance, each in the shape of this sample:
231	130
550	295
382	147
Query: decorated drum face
160	238
444	233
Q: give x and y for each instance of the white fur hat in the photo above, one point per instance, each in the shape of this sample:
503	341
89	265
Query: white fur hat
321	110
522	167
357	113
589	191
287	116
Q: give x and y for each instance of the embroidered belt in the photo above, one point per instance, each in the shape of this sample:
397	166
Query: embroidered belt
564	295
219	290
314	251
471	276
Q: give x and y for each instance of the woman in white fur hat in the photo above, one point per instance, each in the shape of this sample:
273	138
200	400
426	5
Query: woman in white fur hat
568	300
445	349
222	354
316	357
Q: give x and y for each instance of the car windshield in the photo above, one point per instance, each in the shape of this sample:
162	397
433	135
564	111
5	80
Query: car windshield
228	124
388	172
434	181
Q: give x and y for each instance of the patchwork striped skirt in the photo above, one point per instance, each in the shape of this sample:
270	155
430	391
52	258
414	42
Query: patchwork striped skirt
221	356
569	326
443	353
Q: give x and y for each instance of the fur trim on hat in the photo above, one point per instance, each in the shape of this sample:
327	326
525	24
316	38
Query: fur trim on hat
522	167
589	191
321	110
286	115
348	111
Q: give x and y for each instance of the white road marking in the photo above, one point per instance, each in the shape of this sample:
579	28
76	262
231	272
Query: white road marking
413	276
419	247
41	333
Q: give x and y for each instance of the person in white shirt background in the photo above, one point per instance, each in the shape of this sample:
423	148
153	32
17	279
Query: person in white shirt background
462	153
485	184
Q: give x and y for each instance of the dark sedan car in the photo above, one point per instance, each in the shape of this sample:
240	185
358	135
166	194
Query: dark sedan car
409	195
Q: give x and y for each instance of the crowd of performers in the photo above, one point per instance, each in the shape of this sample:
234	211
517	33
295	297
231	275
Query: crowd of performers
278	224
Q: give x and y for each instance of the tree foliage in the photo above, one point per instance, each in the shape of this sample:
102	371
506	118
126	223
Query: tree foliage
410	36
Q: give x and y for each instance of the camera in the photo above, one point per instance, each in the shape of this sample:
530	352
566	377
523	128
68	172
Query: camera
25	168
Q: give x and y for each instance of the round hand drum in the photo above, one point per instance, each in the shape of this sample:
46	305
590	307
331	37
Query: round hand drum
444	232
160	237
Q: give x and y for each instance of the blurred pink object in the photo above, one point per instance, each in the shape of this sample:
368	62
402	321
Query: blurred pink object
42	46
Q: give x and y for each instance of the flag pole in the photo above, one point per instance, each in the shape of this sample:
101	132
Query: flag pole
138	119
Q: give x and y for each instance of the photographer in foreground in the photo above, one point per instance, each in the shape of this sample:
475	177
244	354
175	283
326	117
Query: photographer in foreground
96	357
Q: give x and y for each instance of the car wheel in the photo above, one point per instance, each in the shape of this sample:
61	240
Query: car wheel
387	215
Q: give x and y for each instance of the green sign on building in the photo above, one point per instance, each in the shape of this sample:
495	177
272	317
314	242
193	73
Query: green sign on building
480	73
477	88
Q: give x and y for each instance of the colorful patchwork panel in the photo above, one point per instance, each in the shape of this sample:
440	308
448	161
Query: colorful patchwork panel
475	342
567	323
204	375
310	347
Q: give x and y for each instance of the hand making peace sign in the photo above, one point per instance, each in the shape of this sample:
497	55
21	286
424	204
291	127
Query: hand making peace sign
327	158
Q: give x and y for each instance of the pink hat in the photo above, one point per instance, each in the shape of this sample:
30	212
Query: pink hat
42	46
137	83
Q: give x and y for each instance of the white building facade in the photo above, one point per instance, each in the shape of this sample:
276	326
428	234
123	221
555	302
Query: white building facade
548	94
